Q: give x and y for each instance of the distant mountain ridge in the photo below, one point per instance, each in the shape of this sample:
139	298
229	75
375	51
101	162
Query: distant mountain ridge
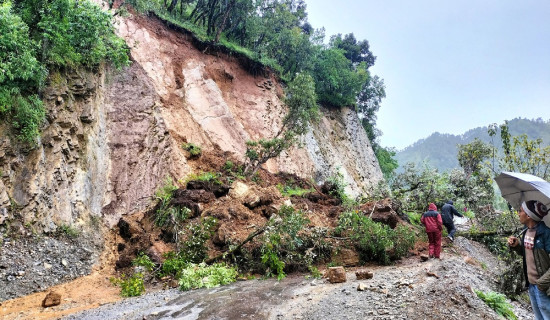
440	150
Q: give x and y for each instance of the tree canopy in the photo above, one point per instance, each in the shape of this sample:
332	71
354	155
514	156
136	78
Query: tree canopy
41	35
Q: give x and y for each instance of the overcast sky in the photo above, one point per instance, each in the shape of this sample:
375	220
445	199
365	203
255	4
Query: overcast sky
449	66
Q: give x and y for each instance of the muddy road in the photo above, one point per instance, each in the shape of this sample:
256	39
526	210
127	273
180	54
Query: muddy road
410	289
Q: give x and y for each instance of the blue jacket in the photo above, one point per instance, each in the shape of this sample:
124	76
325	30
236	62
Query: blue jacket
447	212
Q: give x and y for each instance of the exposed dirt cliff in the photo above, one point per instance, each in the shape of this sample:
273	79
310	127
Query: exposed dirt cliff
112	137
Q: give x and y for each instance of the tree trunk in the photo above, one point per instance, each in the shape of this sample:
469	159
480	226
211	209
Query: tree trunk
230	252
475	235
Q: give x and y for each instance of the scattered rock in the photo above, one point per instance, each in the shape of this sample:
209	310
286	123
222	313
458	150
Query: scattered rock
252	200
361	287
195	195
157	250
336	275
220	237
470	260
363	274
238	190
173	283
3	213
52	299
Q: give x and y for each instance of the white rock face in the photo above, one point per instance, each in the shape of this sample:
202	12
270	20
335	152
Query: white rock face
227	106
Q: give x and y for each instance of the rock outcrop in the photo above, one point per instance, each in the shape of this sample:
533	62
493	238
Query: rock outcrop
112	137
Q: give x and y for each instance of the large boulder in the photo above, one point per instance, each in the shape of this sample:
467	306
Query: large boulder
346	257
381	211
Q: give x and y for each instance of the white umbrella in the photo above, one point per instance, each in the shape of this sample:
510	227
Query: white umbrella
517	187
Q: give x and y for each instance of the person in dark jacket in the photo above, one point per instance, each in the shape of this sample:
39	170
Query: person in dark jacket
447	212
431	219
534	246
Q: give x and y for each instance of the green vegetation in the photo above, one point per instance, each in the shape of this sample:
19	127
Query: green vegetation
130	286
143	260
39	36
337	83
196	276
173	265
293	191
193	149
498	303
375	241
338	187
165	192
386	158
20	77
166	215
415	187
69	231
315	273
233	171
282	242
414	217
521	154
204	176
194	245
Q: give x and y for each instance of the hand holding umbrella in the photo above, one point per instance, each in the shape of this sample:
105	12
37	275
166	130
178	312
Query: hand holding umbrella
518	187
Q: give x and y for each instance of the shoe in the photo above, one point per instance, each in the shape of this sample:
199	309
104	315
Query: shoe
451	238
431	256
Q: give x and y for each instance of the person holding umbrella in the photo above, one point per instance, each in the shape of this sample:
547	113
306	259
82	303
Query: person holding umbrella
531	195
534	246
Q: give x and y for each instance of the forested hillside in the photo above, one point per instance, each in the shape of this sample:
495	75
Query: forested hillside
440	150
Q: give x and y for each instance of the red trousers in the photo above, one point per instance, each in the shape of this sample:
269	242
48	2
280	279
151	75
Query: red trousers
435	243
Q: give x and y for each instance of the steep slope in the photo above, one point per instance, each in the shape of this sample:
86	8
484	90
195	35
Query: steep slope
112	137
211	100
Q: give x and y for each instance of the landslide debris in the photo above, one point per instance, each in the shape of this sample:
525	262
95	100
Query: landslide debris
242	209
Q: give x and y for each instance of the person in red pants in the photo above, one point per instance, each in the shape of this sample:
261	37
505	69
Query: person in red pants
431	219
